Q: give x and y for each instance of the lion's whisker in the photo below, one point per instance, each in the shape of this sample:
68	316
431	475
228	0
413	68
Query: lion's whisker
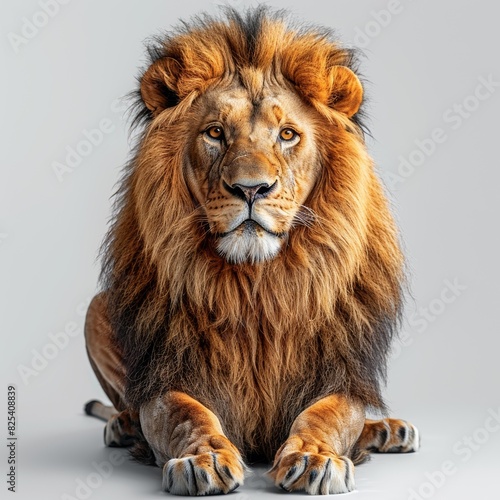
305	216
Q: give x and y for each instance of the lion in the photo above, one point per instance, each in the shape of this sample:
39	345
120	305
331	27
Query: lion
252	276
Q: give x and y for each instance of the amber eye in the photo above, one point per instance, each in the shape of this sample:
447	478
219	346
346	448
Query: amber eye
288	134
215	132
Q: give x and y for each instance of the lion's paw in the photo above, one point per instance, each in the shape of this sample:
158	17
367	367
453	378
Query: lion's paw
119	431
205	474
317	474
403	437
393	436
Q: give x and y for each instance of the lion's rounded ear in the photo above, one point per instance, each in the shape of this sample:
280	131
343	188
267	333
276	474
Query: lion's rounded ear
158	85
346	92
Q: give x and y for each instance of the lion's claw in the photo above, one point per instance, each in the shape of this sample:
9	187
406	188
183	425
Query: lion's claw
205	474
317	474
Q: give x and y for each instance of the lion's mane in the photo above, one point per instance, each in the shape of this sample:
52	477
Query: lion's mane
254	343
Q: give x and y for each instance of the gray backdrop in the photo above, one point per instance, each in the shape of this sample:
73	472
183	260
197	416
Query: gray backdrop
434	86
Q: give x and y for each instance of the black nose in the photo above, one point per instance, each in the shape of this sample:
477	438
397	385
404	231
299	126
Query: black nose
250	193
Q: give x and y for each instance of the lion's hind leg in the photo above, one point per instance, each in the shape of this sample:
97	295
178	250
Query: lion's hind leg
389	435
122	425
122	429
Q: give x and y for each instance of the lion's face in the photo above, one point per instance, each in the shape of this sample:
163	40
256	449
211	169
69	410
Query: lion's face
251	167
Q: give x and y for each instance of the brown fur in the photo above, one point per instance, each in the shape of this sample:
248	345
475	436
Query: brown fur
255	343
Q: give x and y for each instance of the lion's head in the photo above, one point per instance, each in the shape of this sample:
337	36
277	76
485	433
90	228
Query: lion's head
251	225
253	120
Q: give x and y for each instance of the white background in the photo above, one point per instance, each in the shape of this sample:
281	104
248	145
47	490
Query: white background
66	77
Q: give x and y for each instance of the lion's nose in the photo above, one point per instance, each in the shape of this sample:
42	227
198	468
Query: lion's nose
250	193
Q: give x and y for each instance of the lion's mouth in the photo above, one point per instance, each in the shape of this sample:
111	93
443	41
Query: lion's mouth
249	242
250	227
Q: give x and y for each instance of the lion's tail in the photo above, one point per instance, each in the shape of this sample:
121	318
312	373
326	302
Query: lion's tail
99	410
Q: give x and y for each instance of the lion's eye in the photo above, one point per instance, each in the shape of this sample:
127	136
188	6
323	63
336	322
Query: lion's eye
288	134
215	132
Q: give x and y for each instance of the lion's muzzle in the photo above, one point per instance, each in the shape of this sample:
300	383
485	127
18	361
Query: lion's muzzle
248	230
250	193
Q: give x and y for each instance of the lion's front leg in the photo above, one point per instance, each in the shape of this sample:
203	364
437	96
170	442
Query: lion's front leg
315	457
188	442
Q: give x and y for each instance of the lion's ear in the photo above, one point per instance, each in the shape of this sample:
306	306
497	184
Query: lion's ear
346	91
158	85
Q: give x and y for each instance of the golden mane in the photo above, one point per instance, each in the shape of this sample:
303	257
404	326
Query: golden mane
256	343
